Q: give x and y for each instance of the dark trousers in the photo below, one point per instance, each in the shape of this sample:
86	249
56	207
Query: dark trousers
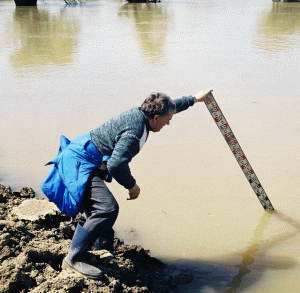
100	206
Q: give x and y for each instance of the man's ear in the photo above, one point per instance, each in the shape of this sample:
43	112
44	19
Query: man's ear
156	117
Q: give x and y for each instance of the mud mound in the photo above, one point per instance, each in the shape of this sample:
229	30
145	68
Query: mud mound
35	237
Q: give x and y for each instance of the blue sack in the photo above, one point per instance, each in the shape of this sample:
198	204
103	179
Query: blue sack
66	181
54	188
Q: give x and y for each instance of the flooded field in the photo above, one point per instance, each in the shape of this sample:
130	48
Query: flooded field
67	69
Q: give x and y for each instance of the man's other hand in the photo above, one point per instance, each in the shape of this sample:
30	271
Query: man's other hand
134	192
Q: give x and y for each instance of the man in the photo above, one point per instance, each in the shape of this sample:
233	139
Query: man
82	166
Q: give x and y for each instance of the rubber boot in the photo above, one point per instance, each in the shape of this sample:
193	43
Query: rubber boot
105	241
82	241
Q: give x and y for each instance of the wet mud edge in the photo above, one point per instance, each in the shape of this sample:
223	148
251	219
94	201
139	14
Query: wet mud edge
32	250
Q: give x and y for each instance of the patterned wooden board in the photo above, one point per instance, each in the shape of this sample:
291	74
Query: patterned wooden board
238	153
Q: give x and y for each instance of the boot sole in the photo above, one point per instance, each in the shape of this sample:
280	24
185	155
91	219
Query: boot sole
65	266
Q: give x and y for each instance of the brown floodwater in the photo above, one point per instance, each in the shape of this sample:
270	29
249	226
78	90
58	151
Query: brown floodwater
67	69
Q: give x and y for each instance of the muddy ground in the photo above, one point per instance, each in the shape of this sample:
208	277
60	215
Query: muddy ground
32	249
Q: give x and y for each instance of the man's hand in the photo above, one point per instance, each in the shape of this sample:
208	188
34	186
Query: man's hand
134	192
202	96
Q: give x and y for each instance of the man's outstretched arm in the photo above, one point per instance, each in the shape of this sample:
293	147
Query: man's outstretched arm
185	102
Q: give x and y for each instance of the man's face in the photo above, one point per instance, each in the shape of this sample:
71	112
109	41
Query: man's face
158	122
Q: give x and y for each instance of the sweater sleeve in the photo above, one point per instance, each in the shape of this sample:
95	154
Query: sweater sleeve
118	165
184	103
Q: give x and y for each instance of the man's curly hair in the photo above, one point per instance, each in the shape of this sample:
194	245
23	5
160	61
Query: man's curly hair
158	104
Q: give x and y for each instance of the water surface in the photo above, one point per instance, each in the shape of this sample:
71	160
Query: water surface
67	69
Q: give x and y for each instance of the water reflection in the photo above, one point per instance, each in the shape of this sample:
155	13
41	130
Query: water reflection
217	276
279	28
151	22
247	256
41	38
260	247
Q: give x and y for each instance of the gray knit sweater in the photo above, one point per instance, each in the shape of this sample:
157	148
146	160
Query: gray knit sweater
123	136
